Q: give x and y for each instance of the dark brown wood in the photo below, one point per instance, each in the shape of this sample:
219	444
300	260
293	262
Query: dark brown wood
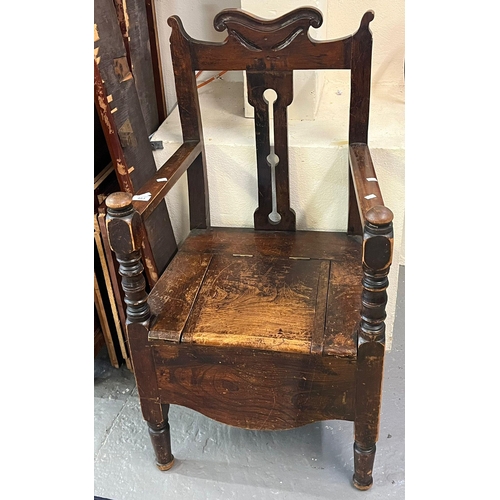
190	117
363	466
361	63
156	416
255	389
185	84
293	244
171	170
258	44
282	84
354	225
267	328
344	302
377	257
199	210
125	234
366	185
361	54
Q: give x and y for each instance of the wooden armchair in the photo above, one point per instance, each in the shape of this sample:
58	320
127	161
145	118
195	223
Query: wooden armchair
266	328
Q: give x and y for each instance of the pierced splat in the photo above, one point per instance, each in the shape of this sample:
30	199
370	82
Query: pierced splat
274	210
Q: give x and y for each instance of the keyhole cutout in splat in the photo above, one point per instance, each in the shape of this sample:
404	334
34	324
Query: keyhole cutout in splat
270	97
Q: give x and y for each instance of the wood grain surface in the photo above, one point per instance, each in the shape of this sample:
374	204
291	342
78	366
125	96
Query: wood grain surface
255	389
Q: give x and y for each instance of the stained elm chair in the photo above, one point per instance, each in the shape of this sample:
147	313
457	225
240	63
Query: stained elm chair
265	328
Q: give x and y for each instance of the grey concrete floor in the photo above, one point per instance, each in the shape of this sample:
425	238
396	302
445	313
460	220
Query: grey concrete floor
219	462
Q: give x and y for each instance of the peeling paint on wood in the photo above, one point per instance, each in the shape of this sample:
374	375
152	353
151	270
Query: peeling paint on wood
104	116
121	167
122	69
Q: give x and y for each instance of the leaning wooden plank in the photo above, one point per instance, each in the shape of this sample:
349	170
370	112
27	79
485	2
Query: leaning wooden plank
109	289
133	21
110	131
104	324
122	96
113	268
128	129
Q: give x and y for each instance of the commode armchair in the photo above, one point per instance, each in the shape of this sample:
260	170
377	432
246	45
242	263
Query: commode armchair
266	328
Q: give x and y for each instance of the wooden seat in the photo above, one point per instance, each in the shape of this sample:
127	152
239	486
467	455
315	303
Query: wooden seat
275	291
265	328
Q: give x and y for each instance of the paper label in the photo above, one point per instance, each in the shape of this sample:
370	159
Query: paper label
142	197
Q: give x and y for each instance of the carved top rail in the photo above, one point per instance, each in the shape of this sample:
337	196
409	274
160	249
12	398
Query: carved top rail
270	45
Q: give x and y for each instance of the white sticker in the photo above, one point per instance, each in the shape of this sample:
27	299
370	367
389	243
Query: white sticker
142	197
371	179
370	196
162	179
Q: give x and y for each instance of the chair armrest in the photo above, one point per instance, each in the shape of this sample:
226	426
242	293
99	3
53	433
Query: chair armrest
368	196
377	249
172	170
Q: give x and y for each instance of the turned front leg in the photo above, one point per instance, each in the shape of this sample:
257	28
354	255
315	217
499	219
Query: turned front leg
156	416
125	236
377	256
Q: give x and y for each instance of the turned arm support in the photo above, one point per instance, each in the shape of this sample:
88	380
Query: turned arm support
377	243
377	257
125	232
172	170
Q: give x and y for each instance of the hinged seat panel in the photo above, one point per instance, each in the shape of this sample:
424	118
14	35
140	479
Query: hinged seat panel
258	302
